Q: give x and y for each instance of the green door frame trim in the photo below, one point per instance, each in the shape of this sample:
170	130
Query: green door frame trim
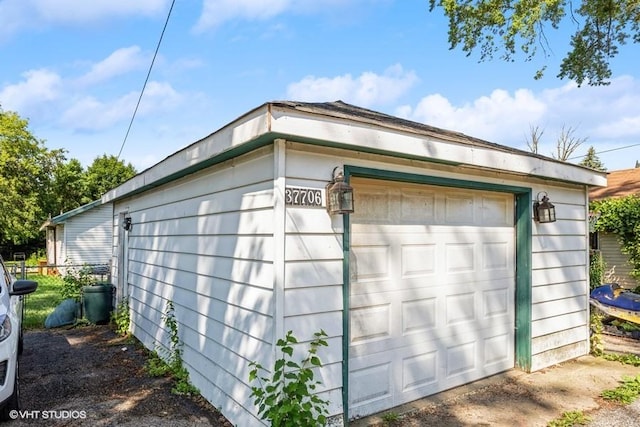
523	228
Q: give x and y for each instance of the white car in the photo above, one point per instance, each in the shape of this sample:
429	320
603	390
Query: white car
11	341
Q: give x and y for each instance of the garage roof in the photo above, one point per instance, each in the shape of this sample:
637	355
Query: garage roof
341	125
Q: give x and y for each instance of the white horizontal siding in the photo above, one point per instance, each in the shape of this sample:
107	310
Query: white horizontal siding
560	305
313	272
87	237
617	266
208	243
205	242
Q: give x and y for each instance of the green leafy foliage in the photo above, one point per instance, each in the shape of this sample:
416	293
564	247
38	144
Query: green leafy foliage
625	325
25	165
287	397
627	359
591	160
621	216
596	326
626	393
510	27
36	183
569	419
168	361
596	269
390	418
120	317
105	173
74	280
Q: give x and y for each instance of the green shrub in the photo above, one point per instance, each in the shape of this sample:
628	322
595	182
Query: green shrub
120	317
74	280
287	398
621	216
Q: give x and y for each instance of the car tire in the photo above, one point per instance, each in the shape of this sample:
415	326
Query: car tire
13	403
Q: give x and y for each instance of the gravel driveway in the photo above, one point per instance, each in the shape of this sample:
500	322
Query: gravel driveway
88	376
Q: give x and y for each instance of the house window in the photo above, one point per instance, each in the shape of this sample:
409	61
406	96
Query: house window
594	241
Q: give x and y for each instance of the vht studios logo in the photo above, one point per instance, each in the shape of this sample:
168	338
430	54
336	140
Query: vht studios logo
47	415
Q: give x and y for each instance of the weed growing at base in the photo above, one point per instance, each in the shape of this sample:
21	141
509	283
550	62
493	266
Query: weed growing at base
169	361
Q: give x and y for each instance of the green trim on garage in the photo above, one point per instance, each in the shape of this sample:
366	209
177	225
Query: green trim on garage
523	228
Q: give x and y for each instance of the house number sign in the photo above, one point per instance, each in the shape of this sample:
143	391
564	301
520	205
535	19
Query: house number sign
298	196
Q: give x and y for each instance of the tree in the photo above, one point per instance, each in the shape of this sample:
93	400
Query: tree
36	182
509	26
67	190
535	134
25	167
567	143
104	174
592	161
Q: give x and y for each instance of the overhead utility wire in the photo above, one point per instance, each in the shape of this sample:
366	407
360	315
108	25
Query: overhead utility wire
146	80
606	151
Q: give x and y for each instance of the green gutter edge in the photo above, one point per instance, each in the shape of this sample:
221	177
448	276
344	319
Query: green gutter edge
523	229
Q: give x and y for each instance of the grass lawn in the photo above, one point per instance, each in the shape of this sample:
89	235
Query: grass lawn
39	304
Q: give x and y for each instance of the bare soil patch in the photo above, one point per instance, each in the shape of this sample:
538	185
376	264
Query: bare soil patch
90	376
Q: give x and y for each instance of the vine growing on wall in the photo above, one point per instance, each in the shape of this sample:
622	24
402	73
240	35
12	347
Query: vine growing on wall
169	361
621	216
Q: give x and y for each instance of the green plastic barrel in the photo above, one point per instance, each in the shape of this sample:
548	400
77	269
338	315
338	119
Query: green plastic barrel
97	303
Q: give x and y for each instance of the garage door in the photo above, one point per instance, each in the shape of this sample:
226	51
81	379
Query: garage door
432	285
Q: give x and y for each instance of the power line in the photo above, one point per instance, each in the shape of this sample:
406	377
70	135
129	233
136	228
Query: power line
605	151
144	86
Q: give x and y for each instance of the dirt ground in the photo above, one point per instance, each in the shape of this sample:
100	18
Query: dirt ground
88	376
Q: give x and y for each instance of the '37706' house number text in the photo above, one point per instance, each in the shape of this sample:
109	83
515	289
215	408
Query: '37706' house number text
297	196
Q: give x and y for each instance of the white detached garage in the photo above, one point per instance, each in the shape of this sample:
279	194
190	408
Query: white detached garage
438	278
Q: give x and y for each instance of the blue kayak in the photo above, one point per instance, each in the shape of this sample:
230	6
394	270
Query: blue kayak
617	302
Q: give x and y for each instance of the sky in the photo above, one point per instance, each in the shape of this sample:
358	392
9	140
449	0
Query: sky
76	69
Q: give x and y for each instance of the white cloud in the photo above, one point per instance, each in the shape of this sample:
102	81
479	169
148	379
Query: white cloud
607	116
38	87
91	114
485	116
367	90
18	14
78	104
118	63
216	12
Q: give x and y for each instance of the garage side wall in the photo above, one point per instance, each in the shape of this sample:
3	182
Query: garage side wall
205	243
560	290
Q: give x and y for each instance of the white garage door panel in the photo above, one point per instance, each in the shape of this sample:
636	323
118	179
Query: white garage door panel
431	303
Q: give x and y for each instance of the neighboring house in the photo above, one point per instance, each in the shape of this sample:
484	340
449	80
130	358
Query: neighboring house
439	278
80	236
620	183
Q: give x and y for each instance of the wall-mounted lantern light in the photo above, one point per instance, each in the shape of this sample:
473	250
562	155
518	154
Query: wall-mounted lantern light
543	210
127	224
339	195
